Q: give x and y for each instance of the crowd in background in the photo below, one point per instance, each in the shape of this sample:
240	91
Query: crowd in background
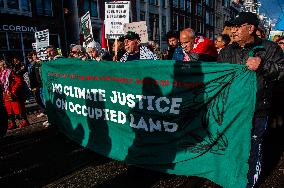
19	82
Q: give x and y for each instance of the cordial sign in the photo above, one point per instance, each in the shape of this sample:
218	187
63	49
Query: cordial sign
18	28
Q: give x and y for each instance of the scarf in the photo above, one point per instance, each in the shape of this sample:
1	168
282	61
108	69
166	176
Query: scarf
145	53
4	78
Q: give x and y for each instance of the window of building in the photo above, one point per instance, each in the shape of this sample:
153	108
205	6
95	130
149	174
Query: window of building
188	6
25	5
175	21
44	7
207	2
153	2
207	18
1	3
212	3
14	41
13	4
163	3
175	3
199	26
154	25
182	5
211	19
3	41
92	6
181	22
142	16
20	7
164	27
207	33
187	22
53	39
227	3
199	9
28	39
218	24
211	36
96	33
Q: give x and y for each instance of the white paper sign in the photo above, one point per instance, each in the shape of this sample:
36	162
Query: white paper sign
42	41
116	15
138	27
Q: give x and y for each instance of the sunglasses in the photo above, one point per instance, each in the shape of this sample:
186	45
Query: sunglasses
280	42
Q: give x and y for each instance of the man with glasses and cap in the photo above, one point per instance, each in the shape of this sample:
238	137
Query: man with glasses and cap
267	61
135	51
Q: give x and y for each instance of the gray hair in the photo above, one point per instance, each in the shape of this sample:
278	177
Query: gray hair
189	31
96	46
78	48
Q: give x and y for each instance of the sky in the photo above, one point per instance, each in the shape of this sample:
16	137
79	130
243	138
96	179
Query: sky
274	9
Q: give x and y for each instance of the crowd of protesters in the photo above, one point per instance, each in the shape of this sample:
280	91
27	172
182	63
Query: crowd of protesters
19	82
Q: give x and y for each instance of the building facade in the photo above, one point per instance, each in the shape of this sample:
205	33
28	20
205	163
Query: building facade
156	14
74	10
20	19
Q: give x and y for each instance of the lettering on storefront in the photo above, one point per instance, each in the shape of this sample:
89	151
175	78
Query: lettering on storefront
18	28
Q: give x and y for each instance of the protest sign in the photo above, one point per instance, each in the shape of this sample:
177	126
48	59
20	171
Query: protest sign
190	119
116	15
272	34
87	30
138	27
42	41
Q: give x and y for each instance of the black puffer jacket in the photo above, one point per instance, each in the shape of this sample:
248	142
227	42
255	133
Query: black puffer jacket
271	68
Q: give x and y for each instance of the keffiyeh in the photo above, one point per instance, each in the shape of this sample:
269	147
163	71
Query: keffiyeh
145	53
4	79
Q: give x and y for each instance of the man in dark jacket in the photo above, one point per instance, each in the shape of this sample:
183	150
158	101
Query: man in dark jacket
267	59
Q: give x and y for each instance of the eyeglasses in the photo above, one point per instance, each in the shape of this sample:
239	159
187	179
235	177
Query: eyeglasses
185	43
280	42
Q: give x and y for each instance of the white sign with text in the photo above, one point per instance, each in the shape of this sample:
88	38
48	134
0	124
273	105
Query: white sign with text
42	41
116	15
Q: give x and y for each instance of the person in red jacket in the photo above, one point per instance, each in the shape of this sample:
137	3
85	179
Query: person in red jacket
194	48
14	101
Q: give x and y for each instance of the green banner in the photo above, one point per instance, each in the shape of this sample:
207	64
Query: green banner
189	119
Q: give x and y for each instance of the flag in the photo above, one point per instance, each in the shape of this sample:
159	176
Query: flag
190	119
103	39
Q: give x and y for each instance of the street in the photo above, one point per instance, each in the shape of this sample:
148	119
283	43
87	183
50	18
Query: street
37	156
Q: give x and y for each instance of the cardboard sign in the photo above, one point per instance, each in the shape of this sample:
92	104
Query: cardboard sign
138	27
116	15
87	30
42	41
